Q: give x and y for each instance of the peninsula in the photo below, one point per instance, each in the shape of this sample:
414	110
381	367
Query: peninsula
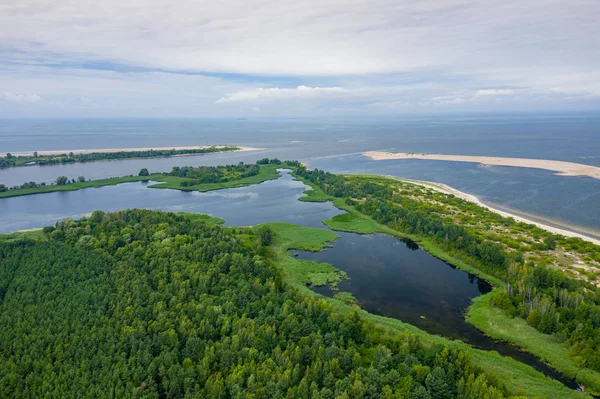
54	157
561	168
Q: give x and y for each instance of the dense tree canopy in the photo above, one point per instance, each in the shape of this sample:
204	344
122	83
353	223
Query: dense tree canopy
149	304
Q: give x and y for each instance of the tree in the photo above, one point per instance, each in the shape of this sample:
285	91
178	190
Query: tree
35	154
144	172
3	188
9	155
62	180
264	235
437	384
550	242
81	179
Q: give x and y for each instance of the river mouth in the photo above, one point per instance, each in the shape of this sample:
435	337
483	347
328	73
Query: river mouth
398	279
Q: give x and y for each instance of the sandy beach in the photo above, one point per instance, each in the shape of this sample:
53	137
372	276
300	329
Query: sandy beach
107	150
444	188
561	168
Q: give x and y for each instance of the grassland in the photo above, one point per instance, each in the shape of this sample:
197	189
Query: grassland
194	216
303	272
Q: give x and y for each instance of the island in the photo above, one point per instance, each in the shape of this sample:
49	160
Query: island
186	178
8	160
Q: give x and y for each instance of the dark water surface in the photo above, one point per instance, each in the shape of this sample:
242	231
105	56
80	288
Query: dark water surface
394	278
271	201
397	279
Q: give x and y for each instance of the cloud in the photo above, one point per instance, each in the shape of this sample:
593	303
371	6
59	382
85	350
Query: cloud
20	98
302	92
148	57
494	92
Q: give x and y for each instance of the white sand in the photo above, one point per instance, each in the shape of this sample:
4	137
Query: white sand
107	150
443	188
562	168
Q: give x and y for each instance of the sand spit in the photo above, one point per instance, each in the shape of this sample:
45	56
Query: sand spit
561	168
108	150
443	188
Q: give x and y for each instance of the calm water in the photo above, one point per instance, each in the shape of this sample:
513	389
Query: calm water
271	201
335	145
393	278
397	279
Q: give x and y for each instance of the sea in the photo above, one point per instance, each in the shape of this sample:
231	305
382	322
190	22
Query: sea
336	145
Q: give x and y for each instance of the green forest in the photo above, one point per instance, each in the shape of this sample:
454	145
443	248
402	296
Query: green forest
149	304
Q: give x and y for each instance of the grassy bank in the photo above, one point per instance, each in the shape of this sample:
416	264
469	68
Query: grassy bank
497	325
75	186
520	379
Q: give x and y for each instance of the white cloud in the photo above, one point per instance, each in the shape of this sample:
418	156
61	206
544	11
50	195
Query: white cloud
494	92
20	98
302	92
117	57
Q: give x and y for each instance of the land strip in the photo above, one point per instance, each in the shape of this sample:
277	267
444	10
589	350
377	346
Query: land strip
60	157
562	168
137	149
444	188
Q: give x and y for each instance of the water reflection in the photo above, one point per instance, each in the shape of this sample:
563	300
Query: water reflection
271	201
396	278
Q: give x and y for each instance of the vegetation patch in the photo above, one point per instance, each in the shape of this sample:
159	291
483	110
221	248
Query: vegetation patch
185	179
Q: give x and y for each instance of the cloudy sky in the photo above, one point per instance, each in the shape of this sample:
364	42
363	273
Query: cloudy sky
296	58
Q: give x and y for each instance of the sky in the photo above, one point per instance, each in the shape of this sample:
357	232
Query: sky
290	58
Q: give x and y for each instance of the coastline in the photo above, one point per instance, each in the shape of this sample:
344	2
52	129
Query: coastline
110	150
444	188
561	168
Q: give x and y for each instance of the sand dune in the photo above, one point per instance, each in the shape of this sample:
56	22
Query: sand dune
443	188
107	150
561	168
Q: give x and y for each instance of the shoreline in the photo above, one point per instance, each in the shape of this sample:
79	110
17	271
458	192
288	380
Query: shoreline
111	150
446	189
561	168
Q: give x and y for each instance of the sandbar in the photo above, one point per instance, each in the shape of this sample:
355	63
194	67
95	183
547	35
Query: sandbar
561	168
109	150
